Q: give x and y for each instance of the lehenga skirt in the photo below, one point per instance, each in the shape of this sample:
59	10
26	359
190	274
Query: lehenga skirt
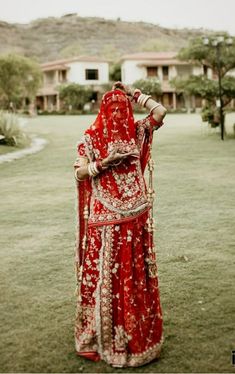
119	316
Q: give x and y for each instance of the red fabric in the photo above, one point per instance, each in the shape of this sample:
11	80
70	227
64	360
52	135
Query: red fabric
119	314
93	356
114	123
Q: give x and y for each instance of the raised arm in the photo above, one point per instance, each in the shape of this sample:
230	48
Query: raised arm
157	110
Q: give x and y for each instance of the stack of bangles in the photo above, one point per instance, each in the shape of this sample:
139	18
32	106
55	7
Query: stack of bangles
94	168
142	99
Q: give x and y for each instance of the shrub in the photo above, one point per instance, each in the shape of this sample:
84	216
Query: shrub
211	115
11	132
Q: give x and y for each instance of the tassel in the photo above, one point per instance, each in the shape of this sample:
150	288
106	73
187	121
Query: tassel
151	253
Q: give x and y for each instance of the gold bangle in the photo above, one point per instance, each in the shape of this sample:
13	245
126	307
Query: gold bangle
154	107
76	176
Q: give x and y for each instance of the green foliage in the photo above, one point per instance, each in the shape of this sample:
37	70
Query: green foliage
211	115
149	86
197	52
115	72
228	89
197	85
20	77
221	59
11	132
74	95
106	87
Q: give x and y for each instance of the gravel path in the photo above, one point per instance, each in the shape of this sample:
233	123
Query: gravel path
37	145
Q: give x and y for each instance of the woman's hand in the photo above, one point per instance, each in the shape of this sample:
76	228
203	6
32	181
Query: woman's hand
129	91
116	157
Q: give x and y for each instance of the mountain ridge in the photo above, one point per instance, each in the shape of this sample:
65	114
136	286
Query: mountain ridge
52	38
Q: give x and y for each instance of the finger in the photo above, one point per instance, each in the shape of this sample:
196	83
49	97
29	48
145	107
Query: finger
113	152
129	154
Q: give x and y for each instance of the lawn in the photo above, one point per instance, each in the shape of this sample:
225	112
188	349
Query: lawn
194	210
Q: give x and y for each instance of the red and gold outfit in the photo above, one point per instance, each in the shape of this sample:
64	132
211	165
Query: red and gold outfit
119	317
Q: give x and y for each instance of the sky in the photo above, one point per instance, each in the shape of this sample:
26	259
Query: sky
207	14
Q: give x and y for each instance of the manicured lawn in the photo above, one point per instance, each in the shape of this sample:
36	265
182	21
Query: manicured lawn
6	148
194	209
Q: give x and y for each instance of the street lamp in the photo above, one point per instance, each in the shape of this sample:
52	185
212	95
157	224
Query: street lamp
217	42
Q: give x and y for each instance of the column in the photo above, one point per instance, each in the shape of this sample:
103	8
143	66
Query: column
160	74
57	102
193	102
45	103
56	77
174	100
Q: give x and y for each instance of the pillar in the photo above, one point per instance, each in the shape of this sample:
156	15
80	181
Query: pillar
57	102
174	101
45	103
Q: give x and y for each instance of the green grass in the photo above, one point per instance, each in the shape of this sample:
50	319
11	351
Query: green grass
7	149
194	209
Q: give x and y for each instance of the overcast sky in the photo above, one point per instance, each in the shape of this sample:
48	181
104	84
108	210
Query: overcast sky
209	14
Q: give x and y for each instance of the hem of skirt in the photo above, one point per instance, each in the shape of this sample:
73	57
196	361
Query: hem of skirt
135	360
90	355
117	221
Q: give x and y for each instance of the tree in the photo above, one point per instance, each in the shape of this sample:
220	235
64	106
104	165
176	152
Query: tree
115	72
20	78
149	86
75	95
206	56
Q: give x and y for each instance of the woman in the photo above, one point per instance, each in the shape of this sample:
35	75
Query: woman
119	317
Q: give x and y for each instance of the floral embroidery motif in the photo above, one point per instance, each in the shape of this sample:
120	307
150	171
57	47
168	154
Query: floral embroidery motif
121	338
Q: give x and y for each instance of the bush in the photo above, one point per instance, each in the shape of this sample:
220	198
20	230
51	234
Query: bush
149	86
11	132
211	115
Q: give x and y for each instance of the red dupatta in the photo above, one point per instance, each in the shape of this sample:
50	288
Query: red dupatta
121	188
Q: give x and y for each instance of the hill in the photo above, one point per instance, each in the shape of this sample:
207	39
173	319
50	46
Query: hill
52	38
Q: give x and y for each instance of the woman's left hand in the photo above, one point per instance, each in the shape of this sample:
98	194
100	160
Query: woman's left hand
115	156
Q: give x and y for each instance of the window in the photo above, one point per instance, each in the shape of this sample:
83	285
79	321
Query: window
152	71
205	70
63	76
165	73
92	74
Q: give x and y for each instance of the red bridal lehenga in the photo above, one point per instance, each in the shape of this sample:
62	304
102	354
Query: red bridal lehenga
118	316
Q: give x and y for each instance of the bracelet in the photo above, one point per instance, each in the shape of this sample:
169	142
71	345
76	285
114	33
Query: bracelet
142	99
100	167
154	107
76	175
92	170
136	95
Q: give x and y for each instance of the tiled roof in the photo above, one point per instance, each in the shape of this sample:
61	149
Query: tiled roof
54	67
150	56
73	59
154	58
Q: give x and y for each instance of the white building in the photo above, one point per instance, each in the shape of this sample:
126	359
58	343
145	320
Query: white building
164	66
92	71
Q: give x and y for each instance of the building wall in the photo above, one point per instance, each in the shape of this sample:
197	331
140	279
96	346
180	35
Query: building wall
131	72
76	73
